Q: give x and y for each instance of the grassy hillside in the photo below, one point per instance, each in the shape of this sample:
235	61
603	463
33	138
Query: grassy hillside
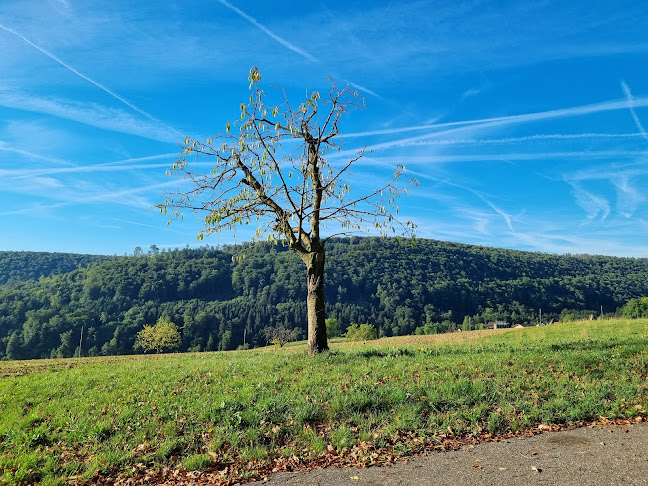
242	414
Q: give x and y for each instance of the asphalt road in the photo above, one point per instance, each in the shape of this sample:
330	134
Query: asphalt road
595	455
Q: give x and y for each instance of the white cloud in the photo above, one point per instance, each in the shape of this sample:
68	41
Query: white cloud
470	92
628	94
446	128
628	196
109	167
596	207
409	160
91	114
83	193
46	182
4	147
90	80
540	137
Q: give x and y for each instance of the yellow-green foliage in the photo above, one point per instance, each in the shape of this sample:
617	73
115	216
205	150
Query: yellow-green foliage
363	332
163	335
636	308
332	328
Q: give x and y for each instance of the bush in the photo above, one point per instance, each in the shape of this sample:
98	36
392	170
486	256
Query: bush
279	336
332	328
362	332
164	335
636	308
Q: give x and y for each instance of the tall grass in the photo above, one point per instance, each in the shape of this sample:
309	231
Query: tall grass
251	410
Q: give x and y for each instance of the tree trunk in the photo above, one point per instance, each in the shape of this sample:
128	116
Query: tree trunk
317	341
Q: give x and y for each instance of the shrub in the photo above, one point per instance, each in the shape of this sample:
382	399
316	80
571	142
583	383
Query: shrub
362	332
280	335
636	308
332	328
163	335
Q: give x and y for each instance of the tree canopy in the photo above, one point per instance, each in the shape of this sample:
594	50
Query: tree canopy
636	308
271	169
28	265
159	337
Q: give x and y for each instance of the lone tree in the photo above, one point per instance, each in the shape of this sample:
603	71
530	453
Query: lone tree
163	335
280	335
273	171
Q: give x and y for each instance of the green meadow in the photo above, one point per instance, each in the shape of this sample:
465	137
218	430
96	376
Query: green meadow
239	415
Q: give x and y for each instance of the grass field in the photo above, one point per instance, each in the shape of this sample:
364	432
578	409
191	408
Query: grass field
239	415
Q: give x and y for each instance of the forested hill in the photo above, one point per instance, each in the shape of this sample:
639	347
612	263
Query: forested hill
400	287
25	265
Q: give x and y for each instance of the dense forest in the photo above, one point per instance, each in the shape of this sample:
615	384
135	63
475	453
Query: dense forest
219	297
26	265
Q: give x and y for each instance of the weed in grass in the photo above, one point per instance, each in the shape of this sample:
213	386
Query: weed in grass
341	437
408	419
28	470
53	481
196	462
496	424
101	432
308	413
169	448
288	451
313	443
253	453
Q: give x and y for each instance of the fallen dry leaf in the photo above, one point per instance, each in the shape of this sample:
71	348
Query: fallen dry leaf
369	454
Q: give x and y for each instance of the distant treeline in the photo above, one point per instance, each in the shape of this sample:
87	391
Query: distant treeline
28	265
399	286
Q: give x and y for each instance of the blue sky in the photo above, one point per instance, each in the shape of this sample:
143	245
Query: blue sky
525	122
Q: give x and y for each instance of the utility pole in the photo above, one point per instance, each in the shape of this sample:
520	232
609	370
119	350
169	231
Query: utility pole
540	323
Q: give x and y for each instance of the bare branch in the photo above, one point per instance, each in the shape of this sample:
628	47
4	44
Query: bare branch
287	194
344	169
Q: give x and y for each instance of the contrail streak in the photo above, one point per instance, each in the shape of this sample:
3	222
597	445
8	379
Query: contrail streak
89	79
6	148
280	40
512	119
527	138
362	88
630	99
